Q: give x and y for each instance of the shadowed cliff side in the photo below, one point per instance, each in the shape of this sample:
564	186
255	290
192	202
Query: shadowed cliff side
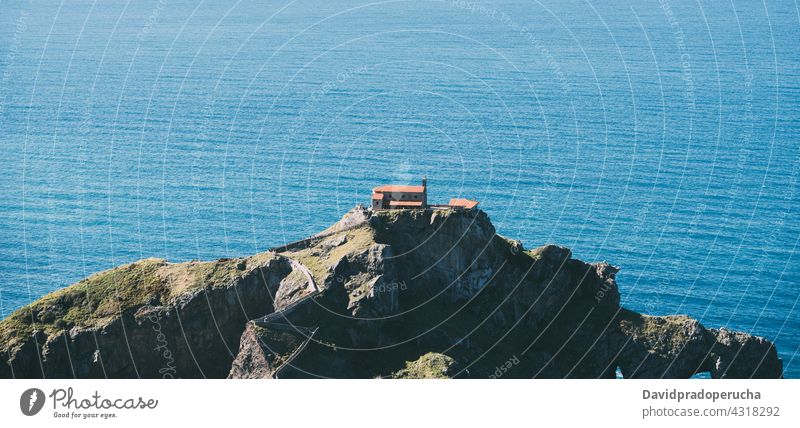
403	294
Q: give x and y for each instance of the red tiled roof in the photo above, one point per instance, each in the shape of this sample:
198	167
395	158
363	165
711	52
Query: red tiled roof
405	203
395	188
464	203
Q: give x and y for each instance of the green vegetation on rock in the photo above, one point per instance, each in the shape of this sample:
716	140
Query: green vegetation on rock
103	297
429	366
665	335
88	303
319	260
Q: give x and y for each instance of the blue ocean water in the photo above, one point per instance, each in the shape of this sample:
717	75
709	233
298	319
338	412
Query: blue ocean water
662	136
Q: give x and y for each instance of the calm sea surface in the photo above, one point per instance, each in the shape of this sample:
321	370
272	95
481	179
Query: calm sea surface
662	136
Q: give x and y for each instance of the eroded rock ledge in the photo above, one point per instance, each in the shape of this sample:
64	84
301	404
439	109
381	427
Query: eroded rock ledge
402	294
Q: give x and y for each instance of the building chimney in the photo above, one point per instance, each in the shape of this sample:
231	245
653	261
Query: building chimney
424	192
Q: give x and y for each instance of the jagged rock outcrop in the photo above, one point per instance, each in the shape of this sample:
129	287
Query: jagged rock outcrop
147	319
678	347
403	294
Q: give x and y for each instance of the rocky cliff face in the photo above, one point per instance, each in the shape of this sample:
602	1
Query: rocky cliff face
401	294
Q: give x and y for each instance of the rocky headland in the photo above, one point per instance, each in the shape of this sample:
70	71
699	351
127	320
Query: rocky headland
393	294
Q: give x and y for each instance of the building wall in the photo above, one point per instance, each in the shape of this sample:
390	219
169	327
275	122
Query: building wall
399	196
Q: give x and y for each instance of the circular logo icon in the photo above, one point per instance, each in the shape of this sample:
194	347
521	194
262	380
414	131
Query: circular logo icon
31	401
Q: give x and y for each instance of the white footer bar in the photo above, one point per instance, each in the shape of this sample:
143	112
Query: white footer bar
354	403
